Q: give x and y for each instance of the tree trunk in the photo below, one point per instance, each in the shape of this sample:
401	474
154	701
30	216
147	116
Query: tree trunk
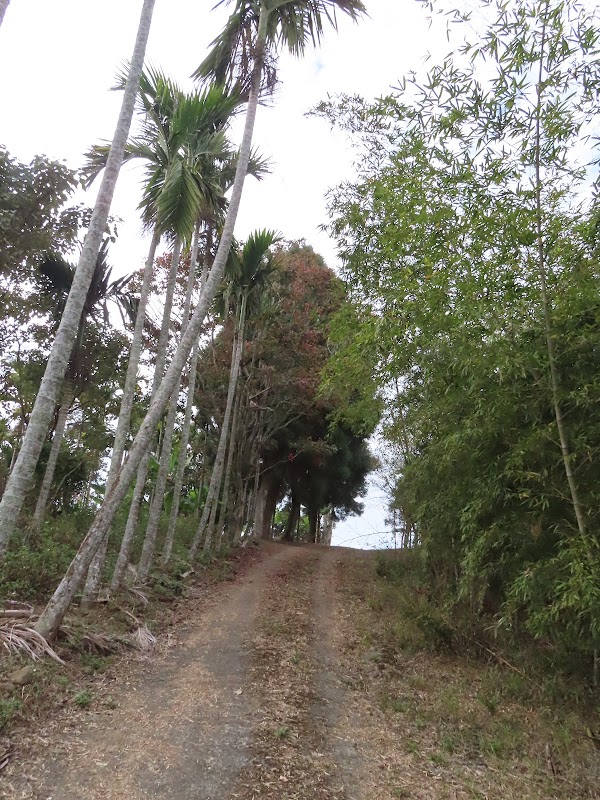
52	616
313	520
266	501
3	7
123	425
167	442
59	432
142	472
181	462
327	527
51	385
207	519
288	533
224	515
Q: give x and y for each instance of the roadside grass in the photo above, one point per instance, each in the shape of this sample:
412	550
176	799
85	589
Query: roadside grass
481	725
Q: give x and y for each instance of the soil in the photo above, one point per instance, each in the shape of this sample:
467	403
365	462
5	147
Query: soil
268	690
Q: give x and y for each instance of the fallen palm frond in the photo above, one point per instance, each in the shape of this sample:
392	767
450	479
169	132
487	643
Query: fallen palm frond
142	638
90	642
18	638
5	754
139	595
17	609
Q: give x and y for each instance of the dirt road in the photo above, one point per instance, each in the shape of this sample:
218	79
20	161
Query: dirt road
251	703
298	680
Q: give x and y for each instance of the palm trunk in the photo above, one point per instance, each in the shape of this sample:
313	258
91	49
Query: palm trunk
210	527
327	528
205	528
202	473
241	513
124	422
167	442
224	515
253	497
142	472
313	525
228	421
187	420
156	503
59	432
3	7
48	394
52	616
123	425
185	437
18	439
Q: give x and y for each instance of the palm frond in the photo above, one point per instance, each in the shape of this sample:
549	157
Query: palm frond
291	24
57	272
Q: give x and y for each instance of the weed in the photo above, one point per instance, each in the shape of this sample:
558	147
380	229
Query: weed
489	699
449	704
168	586
8	709
503	741
412	746
418	682
439	759
399	705
274	628
95	663
375	603
83	699
449	743
282	732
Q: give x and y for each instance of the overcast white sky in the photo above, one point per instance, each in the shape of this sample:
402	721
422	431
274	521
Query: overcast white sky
58	60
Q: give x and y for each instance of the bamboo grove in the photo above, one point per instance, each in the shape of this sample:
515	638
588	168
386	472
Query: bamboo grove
470	249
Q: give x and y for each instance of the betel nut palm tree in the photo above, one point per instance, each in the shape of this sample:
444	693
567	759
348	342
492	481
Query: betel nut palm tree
3	7
57	278
180	133
66	336
249	41
248	271
212	219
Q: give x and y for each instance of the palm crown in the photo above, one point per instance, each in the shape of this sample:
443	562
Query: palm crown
183	142
292	24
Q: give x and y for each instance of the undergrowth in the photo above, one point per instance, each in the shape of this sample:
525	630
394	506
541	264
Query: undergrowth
468	696
90	643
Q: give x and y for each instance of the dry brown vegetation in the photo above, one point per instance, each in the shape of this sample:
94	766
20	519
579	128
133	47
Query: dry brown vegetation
448	726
